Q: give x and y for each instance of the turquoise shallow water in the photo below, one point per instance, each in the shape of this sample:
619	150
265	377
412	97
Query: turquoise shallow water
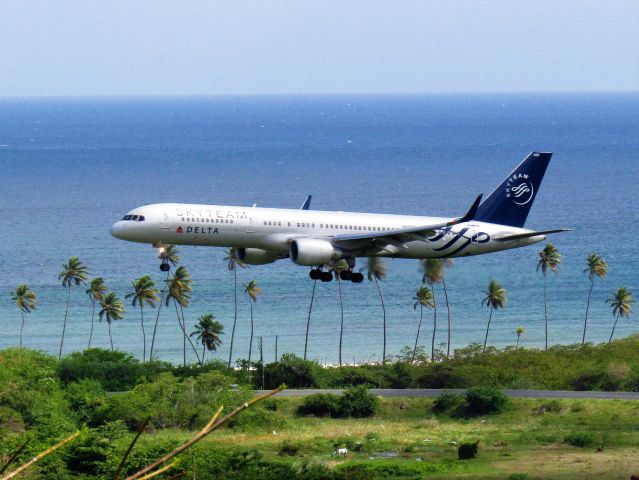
71	167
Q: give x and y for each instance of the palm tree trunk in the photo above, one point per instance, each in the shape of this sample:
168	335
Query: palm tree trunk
419	326
234	315
21	327
110	336
613	328
92	323
186	337
157	319
592	284
177	312
449	319
276	347
143	332
490	317
546	308
381	298
517	347
432	346
251	337
203	353
308	321
341	326
64	326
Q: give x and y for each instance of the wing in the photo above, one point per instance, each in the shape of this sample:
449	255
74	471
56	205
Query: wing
396	238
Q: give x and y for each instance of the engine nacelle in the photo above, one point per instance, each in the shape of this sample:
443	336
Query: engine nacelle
313	251
256	256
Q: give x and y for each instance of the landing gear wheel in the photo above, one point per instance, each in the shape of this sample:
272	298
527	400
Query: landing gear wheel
346	275
357	277
326	276
315	274
165	267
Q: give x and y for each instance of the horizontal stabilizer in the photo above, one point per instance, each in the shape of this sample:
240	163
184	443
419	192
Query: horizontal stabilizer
531	234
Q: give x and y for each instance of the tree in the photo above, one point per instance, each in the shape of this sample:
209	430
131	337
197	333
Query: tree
25	300
179	292
170	255
596	267
495	299
448	263
549	259
252	291
208	332
335	269
144	291
376	271
423	298
112	308
96	291
232	262
621	304
433	273
73	273
519	331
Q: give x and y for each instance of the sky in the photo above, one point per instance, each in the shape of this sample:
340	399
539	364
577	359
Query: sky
159	47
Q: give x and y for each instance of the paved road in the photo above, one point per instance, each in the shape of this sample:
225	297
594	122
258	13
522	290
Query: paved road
427	392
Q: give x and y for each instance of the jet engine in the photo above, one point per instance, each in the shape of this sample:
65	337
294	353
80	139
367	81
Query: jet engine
256	256
313	251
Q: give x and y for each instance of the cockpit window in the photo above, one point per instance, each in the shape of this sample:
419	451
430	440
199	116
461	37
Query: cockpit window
134	218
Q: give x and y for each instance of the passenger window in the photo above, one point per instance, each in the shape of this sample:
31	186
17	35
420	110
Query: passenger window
141	218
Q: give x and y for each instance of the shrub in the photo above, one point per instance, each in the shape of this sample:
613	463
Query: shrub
589	381
399	375
356	402
288	449
116	371
518	476
441	376
581	439
293	372
87	454
353	376
485	400
319	405
467	451
448	402
88	401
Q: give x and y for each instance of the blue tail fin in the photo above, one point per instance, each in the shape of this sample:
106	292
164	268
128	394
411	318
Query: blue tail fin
510	202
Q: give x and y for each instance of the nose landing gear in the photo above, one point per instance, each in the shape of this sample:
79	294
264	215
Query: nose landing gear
165	267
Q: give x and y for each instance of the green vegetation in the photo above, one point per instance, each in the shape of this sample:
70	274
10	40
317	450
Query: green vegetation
476	435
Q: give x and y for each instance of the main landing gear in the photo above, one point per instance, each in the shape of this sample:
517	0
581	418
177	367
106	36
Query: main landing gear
165	267
326	276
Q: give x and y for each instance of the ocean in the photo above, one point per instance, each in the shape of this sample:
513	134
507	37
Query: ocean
72	167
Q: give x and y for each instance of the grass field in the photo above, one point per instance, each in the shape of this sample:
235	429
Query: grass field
405	440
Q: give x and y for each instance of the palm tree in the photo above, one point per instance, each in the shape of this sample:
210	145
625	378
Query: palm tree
96	291
495	298
179	292
232	262
423	298
376	270
448	263
25	300
308	320
335	269
74	273
252	290
144	291
170	255
519	331
549	259
433	273
596	267
621	305
208	332
112	308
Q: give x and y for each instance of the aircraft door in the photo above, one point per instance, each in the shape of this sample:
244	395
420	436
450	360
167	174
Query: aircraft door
165	223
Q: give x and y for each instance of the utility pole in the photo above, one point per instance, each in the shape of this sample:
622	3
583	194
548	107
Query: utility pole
261	360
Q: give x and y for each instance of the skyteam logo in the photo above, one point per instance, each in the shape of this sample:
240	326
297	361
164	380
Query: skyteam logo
519	189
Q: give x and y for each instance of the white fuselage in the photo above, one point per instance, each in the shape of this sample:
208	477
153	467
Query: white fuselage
272	229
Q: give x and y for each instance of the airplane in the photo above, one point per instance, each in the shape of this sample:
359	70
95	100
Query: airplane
319	239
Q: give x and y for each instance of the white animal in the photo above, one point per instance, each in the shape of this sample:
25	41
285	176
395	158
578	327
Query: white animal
341	452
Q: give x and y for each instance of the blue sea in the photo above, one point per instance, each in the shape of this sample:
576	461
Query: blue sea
72	167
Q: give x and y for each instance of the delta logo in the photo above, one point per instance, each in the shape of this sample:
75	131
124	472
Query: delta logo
179	230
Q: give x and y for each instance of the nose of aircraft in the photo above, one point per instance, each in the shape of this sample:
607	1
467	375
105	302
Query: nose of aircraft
117	230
